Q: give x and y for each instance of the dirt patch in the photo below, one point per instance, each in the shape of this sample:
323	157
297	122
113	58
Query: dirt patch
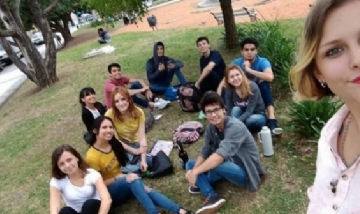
80	39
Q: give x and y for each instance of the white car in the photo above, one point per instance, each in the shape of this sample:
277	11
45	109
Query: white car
4	58
37	38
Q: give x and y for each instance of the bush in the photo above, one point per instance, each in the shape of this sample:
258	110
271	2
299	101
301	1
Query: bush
97	23
307	118
274	45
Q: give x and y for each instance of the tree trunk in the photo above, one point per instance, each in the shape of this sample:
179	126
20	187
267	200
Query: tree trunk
40	71
59	28
229	24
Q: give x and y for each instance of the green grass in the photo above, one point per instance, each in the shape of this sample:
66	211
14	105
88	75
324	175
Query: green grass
35	122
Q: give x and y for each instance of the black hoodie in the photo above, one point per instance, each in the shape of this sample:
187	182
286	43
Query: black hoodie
152	65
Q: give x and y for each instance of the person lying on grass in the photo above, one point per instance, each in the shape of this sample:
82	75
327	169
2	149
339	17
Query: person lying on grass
229	153
129	124
243	99
106	155
82	188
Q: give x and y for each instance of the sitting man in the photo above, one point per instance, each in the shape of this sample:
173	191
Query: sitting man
229	153
104	36
160	69
212	66
258	69
138	87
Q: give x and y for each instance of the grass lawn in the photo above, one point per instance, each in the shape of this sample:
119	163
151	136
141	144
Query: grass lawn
35	122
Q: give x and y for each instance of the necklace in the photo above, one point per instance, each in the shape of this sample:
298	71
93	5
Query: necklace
345	130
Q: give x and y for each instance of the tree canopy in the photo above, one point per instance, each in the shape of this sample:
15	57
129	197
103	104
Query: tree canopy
110	7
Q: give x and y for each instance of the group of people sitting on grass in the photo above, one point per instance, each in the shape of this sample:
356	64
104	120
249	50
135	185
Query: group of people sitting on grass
237	100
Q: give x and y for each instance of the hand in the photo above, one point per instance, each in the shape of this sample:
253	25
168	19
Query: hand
171	65
191	178
247	65
143	166
144	89
197	84
161	67
148	94
139	151
131	177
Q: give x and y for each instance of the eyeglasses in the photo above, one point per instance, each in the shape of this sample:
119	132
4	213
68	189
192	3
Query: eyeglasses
210	112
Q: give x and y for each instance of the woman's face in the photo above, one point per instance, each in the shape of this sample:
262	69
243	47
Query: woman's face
89	98
234	77
68	163
121	103
106	131
338	57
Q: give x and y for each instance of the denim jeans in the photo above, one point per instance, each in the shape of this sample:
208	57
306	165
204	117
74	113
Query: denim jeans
226	171
254	122
121	190
266	93
135	168
137	100
160	87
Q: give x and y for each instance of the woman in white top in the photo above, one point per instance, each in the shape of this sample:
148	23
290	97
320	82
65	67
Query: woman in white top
82	189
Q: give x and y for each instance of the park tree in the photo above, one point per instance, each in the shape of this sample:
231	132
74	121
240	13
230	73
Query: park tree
108	8
41	71
229	24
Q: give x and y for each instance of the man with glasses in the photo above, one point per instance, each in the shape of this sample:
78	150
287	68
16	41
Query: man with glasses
258	69
229	153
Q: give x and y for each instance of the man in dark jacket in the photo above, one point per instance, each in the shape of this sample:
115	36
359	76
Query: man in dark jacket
229	153
160	69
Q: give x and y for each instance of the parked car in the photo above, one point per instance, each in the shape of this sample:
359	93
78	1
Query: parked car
4	58
37	38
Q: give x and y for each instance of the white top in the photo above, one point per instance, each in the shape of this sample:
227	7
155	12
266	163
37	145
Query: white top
94	112
75	196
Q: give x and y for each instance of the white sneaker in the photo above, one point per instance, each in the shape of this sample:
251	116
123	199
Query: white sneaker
160	105
162	100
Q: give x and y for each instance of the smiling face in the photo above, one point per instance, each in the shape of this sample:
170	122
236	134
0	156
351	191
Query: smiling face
121	103
235	77
106	130
203	46
68	163
338	56
215	114
89	98
115	73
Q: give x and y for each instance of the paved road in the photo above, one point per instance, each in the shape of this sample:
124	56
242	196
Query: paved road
11	78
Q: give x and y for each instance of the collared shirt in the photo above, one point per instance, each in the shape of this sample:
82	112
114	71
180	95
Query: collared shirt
331	169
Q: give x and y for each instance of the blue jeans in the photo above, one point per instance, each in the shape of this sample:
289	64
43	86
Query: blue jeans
137	100
135	168
226	171
254	122
121	190
266	93
160	87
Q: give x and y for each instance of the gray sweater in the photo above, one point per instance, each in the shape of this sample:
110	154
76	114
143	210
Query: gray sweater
253	105
237	145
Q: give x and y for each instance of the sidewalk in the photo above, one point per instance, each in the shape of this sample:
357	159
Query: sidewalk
11	78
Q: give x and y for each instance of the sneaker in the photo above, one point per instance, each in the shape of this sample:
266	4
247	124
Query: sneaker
211	205
194	190
163	101
160	104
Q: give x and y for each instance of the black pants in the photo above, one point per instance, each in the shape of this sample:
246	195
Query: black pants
210	83
90	206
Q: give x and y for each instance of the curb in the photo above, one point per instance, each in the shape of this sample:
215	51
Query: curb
14	88
164	4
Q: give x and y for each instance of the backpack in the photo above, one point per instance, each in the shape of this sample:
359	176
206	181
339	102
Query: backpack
161	166
149	120
188	132
189	97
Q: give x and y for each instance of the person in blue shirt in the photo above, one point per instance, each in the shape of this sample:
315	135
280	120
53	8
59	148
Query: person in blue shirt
160	69
104	36
258	69
212	66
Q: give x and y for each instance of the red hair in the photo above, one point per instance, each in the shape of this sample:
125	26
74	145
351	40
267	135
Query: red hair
134	112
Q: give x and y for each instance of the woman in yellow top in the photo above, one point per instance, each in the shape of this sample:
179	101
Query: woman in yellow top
106	155
129	122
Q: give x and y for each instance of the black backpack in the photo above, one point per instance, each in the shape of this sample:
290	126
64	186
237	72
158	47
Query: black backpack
189	97
161	166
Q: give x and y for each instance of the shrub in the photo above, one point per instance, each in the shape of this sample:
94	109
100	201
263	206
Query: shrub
307	118
274	45
97	23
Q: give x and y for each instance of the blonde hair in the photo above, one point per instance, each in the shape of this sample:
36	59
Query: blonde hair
245	84
302	74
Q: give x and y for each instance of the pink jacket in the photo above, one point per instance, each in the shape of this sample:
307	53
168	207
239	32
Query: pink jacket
329	167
